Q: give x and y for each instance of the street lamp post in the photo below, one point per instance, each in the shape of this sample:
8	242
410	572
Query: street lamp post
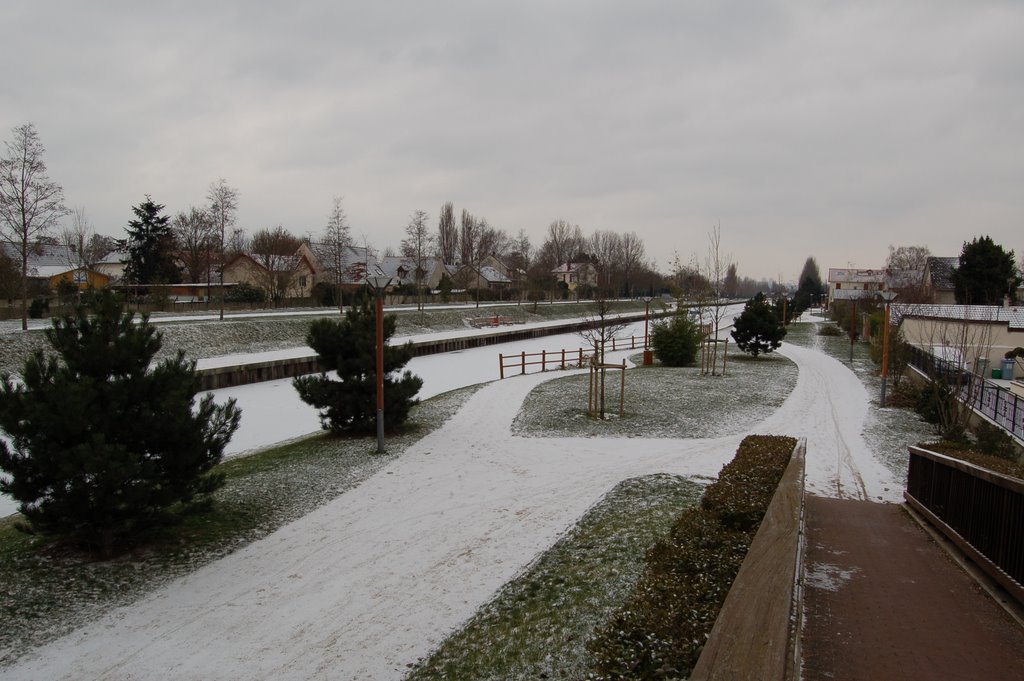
647	319
379	283
888	297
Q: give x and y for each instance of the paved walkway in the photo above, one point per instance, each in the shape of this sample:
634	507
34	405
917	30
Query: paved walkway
883	601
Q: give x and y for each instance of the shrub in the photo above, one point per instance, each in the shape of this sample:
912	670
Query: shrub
37	307
758	329
102	446
830	330
245	293
661	630
994	441
676	341
348	346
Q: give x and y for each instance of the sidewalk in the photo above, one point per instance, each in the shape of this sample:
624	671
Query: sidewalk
883	601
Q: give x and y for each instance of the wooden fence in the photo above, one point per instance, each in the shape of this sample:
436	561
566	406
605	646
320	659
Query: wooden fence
562	359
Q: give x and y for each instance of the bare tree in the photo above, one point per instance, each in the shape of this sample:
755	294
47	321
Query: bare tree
519	260
223	208
633	254
31	204
716	265
195	233
606	248
77	241
447	234
274	249
604	328
416	248
334	248
467	237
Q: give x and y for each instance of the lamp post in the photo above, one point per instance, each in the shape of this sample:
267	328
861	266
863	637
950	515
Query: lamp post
379	282
647	319
888	297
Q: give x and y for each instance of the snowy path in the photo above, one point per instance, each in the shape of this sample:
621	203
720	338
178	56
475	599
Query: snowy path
379	576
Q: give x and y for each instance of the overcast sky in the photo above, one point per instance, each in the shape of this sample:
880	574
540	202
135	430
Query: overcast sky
831	129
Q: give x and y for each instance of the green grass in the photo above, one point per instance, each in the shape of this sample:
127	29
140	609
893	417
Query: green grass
539	624
47	590
662	402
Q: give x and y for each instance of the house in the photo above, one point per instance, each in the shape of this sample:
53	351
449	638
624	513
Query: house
280	276
484	277
575	274
403	271
355	263
938	280
968	333
51	264
854	284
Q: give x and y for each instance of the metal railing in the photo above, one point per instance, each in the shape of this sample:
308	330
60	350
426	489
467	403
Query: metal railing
1001	406
979	510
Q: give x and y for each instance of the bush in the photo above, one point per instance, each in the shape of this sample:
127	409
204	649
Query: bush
348	347
661	630
676	341
245	293
830	330
995	441
37	307
758	329
103	447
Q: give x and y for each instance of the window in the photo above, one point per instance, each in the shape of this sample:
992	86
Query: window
302	281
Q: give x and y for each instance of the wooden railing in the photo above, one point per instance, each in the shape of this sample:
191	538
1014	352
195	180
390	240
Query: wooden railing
980	511
562	359
555	359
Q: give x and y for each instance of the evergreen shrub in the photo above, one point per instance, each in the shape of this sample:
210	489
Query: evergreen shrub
661	630
676	342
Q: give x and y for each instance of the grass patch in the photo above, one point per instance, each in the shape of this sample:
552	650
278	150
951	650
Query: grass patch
48	591
662	402
539	624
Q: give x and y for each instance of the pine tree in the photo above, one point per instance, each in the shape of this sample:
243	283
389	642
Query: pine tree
348	346
150	246
676	341
758	328
103	447
986	273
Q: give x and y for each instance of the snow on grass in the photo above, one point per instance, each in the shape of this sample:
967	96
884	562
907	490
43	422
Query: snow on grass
539	624
48	592
662	402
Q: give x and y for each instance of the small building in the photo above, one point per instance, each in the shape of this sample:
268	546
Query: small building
280	276
977	335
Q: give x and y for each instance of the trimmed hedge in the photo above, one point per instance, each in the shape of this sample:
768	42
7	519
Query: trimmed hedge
661	630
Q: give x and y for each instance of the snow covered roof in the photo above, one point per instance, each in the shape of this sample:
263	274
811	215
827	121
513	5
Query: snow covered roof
838	275
494	276
941	270
1013	316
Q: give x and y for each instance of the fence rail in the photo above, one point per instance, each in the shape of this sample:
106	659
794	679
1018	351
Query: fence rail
561	359
979	510
1001	406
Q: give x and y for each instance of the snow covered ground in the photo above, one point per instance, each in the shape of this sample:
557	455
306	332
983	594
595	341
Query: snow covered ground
376	578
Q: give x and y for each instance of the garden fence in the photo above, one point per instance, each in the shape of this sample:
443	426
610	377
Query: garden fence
1001	406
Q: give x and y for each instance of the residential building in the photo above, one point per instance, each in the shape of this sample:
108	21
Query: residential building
938	280
576	274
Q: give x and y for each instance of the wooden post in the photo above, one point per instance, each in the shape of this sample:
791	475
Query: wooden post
563	359
725	356
622	391
523	365
501	365
543	360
